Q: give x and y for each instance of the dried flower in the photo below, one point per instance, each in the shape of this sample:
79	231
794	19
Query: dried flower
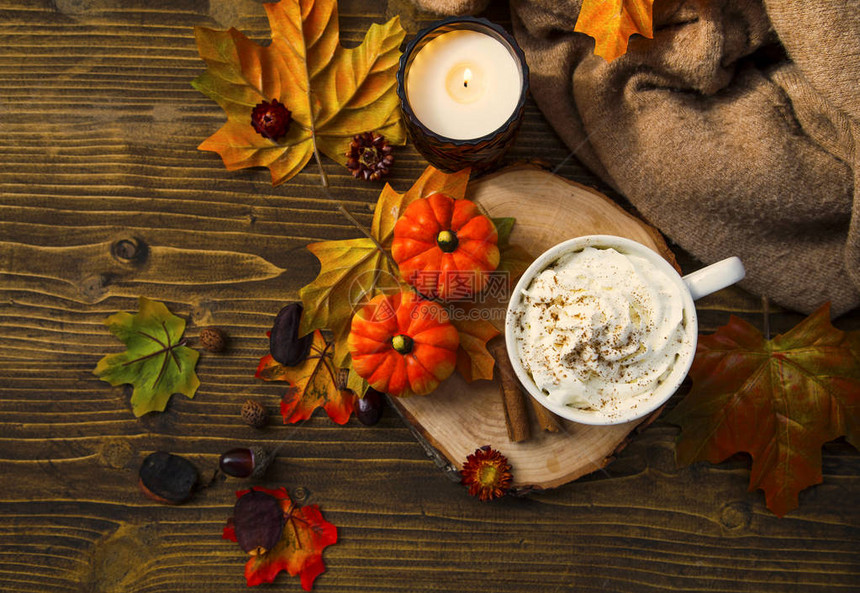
369	156
487	473
271	120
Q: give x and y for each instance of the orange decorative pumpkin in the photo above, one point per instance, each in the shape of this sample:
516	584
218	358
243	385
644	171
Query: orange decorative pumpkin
402	344
445	248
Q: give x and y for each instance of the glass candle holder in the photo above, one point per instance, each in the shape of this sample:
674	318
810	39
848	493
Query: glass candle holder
462	84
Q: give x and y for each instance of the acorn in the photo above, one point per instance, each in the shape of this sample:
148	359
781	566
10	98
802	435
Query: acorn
254	414
213	339
244	462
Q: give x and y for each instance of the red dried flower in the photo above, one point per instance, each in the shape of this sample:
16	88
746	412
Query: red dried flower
487	473
271	120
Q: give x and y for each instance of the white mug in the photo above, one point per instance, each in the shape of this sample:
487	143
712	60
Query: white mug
690	287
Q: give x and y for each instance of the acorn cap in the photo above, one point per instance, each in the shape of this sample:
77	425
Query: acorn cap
254	414
213	339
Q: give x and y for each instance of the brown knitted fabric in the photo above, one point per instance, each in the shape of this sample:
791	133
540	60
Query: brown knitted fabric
452	7
733	130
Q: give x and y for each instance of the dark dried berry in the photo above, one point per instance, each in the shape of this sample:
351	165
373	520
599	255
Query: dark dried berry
213	339
284	343
369	156
244	462
271	119
259	521
167	478
254	414
369	408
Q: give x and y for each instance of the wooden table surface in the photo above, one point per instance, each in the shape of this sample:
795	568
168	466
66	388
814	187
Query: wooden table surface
98	133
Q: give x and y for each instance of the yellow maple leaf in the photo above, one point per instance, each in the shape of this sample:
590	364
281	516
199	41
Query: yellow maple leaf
332	93
612	22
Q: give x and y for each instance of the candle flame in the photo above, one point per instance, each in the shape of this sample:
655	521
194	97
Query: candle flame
467	77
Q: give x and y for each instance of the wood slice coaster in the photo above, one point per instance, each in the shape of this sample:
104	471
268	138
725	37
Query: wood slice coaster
459	417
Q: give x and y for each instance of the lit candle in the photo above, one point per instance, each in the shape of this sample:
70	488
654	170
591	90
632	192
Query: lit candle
464	84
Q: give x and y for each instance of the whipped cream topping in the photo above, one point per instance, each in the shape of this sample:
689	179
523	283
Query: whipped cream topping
600	329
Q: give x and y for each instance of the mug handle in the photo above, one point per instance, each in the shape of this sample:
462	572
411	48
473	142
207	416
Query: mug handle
714	277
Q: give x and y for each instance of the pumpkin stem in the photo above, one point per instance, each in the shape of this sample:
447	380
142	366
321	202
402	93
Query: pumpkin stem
447	241
402	344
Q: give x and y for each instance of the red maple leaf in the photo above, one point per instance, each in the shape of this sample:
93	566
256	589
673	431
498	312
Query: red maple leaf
312	384
299	551
779	400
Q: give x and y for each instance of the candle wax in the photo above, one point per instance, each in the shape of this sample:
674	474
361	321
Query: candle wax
463	85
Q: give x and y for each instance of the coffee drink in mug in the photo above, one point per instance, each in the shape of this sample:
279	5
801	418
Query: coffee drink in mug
602	330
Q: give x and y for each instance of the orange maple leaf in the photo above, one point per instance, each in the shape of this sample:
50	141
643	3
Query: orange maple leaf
779	400
299	551
474	361
612	22
312	384
333	93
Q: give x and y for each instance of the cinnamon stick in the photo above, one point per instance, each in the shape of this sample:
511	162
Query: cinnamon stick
546	419
513	399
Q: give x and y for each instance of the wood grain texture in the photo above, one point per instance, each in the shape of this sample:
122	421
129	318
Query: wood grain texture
98	133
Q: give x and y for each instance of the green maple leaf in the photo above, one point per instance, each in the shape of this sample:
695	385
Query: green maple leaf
155	362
